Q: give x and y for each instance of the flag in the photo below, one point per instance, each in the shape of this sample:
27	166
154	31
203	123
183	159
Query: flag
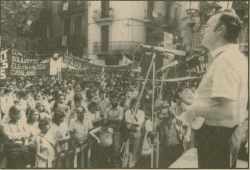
55	64
103	83
126	60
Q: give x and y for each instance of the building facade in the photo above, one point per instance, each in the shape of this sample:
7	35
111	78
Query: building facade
117	28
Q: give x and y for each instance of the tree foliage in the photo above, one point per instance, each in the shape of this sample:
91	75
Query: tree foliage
16	13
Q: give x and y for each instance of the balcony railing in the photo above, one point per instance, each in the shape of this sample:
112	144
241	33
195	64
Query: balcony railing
115	46
100	15
73	7
155	18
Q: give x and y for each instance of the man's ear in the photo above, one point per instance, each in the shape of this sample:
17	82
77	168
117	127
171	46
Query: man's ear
222	30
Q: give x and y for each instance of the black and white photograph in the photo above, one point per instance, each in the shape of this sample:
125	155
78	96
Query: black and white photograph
124	84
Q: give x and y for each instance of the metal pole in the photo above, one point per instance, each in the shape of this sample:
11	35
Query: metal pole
153	100
143	87
157	150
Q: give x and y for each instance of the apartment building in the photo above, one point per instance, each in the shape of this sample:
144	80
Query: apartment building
117	28
67	28
105	31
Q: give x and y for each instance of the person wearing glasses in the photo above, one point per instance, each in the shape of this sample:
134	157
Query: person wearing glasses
220	106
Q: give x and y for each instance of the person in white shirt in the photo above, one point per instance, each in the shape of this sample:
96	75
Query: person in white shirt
136	124
32	124
60	130
7	101
218	111
79	131
93	113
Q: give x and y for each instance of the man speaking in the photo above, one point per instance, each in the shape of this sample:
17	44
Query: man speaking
222	96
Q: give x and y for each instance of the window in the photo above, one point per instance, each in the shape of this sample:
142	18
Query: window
105	37
67	26
78	25
176	13
105	9
150	8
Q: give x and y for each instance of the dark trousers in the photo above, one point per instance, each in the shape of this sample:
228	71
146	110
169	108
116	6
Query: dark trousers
217	146
32	155
169	154
17	156
107	157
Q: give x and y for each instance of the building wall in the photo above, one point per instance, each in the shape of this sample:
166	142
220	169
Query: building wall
128	23
57	22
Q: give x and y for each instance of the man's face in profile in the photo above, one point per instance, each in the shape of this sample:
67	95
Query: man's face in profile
210	36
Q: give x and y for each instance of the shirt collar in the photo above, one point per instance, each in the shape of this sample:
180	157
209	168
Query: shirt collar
223	48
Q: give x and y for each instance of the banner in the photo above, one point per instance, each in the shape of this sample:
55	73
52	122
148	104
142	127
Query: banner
71	62
3	64
28	64
198	63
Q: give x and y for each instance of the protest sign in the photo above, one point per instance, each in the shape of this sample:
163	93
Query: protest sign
28	64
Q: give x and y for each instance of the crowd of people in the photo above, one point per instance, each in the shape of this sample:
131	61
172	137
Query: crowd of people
44	116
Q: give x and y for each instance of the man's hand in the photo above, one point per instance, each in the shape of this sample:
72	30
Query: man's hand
189	115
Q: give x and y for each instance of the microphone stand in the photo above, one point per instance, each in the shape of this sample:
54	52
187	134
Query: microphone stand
126	155
153	118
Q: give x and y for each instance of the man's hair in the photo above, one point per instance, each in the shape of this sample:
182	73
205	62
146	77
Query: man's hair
42	122
92	105
88	93
232	23
83	109
122	94
133	101
14	109
32	111
58	116
112	95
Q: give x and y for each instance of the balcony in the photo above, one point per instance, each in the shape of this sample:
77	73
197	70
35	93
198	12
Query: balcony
73	7
100	15
115	47
155	18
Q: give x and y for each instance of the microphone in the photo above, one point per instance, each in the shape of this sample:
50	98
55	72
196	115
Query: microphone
172	64
161	49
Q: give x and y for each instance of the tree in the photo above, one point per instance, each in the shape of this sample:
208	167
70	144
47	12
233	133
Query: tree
18	17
